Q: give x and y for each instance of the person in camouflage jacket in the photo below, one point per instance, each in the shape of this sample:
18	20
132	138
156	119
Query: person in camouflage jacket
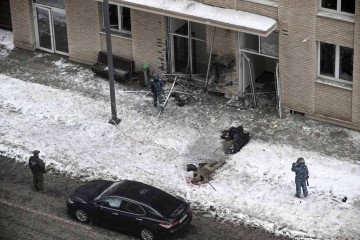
301	176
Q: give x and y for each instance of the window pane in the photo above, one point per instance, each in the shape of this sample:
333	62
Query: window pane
198	31
346	63
181	54
52	3
178	26
126	22
270	44
327	59
200	58
114	17
331	4
348	6
61	40
250	42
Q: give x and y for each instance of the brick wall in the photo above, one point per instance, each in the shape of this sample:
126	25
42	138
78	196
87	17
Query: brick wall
149	40
120	46
22	23
356	73
333	102
297	56
257	8
83	25
335	31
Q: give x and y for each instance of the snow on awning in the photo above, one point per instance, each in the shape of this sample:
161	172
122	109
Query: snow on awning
205	14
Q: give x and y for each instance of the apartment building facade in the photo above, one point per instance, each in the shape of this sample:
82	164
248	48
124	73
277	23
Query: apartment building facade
306	52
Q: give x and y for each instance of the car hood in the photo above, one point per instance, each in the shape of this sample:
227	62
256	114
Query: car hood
91	190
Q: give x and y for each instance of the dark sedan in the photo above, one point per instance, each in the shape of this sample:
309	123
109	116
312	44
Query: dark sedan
131	206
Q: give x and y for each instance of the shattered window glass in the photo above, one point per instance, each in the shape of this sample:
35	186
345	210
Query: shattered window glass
346	63
327	59
270	44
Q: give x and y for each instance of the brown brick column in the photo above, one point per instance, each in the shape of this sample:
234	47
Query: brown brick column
356	73
22	23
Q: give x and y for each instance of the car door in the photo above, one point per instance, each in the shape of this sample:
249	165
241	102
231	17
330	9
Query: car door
132	214
109	213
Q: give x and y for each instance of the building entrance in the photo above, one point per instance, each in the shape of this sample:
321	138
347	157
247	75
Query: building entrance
50	29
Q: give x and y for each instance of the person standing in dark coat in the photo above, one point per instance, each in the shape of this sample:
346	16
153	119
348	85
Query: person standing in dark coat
156	86
301	176
37	167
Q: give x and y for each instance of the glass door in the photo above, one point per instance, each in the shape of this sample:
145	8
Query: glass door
51	29
60	31
44	29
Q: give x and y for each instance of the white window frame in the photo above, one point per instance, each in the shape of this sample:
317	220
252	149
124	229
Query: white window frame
337	65
338	8
240	36
120	13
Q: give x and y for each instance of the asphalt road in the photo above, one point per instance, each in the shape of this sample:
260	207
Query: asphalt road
26	214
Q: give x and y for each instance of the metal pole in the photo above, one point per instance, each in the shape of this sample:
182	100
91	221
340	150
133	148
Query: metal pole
114	119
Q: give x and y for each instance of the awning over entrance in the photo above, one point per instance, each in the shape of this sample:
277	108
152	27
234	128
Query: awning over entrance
205	14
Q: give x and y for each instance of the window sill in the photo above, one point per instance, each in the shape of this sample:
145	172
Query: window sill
337	16
119	34
265	2
334	83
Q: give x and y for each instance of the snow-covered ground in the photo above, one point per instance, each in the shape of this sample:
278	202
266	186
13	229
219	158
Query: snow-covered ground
6	43
255	187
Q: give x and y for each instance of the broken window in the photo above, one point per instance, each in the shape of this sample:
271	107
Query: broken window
188	47
336	62
343	6
120	18
268	46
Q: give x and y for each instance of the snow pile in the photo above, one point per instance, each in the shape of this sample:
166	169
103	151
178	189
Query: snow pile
195	10
6	43
255	187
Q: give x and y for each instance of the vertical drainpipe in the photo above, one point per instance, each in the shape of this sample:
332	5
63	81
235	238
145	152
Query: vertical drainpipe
114	120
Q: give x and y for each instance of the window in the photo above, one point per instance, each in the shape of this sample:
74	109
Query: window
188	47
268	46
335	62
120	18
341	6
132	208
111	203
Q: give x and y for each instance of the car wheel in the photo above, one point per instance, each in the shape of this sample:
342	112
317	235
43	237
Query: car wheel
81	215
147	234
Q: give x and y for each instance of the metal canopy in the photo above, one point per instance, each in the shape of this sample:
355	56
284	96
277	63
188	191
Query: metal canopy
205	14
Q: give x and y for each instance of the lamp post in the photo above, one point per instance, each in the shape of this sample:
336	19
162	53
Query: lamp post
114	119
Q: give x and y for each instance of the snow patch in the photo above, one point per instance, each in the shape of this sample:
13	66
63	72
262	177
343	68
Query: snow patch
255	187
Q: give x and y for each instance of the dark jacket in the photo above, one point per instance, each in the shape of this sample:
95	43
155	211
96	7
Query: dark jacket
157	85
37	166
301	172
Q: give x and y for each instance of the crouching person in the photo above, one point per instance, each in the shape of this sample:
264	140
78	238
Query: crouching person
301	176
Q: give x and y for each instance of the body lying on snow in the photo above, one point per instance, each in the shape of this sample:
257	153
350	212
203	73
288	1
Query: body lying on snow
238	137
202	174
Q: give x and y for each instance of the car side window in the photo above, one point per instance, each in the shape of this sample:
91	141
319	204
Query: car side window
132	208
111	203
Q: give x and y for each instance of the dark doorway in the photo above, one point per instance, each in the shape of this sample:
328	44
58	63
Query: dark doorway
5	15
